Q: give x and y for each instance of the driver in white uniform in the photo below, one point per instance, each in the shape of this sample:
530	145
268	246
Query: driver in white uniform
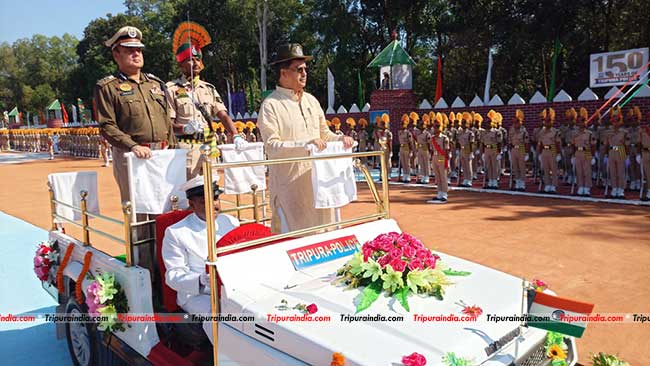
185	251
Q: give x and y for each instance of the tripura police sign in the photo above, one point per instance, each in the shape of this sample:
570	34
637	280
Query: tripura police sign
313	254
616	68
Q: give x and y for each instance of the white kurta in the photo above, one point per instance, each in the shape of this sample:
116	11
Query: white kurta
287	122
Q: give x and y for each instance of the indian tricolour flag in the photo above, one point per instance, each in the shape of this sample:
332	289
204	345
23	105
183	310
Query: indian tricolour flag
566	316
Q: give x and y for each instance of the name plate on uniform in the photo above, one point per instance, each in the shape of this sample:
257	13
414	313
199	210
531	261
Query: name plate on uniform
314	254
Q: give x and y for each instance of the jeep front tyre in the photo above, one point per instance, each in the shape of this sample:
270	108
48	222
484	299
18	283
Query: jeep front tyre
80	335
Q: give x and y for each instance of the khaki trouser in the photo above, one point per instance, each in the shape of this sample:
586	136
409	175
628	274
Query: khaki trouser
492	164
583	168
617	168
423	161
517	158
193	159
466	164
405	161
440	171
635	172
645	160
549	167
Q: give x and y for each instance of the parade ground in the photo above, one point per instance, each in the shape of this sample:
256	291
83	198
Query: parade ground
588	251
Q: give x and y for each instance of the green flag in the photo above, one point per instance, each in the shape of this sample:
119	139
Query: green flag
556	52
361	98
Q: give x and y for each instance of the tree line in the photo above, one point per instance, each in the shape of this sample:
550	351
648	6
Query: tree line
344	36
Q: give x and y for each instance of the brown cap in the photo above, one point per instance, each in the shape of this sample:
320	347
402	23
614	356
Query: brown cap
126	37
291	51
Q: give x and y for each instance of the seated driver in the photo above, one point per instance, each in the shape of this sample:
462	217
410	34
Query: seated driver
185	251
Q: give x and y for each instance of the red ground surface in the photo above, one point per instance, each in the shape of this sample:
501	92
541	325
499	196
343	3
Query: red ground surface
594	252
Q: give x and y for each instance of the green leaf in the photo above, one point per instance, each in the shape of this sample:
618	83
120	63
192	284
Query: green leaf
451	272
369	295
402	297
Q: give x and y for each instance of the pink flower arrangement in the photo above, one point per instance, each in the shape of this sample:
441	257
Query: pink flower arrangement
414	359
400	251
43	260
539	285
92	298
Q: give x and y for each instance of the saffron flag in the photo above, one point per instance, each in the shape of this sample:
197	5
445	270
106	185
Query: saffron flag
439	81
565	316
65	114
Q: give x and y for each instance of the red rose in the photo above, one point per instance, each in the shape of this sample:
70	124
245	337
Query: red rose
414	359
312	308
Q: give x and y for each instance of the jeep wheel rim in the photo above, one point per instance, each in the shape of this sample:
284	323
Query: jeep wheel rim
80	340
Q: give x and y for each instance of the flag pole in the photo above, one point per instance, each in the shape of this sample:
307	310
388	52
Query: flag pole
524	298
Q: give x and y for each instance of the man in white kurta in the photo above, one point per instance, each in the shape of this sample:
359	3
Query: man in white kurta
185	250
289	119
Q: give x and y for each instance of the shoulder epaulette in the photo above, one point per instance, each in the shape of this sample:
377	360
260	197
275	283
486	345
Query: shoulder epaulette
154	77
209	85
105	80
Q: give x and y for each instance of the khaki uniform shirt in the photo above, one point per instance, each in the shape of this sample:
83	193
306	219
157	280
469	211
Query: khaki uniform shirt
584	140
287	123
644	138
518	137
465	139
181	99
405	139
132	112
491	138
549	137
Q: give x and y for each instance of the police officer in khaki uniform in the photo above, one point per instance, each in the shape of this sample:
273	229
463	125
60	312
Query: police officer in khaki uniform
193	101
465	144
452	131
132	111
491	150
584	145
634	119
352	132
604	131
362	135
518	140
422	144
478	137
548	150
441	147
405	150
617	145
644	139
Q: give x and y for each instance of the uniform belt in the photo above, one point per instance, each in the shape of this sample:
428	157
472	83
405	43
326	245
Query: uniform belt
580	148
632	145
155	145
491	146
616	148
516	146
548	147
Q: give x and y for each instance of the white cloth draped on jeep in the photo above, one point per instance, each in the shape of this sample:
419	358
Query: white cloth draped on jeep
153	181
67	188
239	180
333	179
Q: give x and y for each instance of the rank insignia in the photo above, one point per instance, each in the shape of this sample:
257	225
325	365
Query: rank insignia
125	87
156	91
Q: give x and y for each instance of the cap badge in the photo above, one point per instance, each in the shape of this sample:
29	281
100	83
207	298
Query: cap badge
131	32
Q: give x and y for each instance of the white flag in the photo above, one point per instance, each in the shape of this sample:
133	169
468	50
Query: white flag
330	89
488	79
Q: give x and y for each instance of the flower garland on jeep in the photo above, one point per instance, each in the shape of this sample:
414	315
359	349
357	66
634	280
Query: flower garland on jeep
105	297
398	264
46	256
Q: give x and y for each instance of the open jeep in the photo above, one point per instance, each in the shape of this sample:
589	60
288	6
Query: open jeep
261	276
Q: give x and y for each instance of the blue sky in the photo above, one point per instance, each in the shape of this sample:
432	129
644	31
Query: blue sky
24	18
